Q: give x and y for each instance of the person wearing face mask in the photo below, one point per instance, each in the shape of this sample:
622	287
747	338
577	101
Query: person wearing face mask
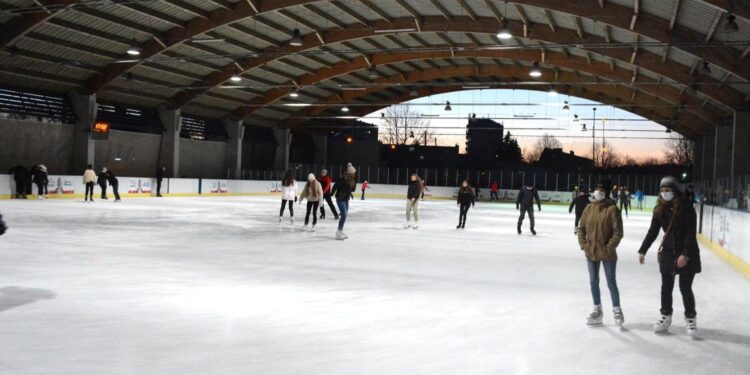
464	201
412	201
678	254
599	234
525	202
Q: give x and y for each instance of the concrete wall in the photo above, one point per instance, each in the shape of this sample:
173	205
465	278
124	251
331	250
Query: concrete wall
137	152
202	159
31	143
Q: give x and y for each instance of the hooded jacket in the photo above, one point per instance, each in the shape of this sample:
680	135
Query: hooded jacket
600	230
312	192
681	239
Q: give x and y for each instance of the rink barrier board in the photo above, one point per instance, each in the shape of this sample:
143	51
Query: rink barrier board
736	262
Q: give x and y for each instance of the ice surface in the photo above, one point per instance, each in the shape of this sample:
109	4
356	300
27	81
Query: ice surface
216	286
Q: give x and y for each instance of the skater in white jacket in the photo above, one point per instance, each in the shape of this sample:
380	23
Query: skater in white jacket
288	195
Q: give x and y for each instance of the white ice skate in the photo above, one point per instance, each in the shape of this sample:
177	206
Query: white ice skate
280	219
662	325
407	225
692	326
595	318
312	229
340	235
291	220
416	226
619	317
305	228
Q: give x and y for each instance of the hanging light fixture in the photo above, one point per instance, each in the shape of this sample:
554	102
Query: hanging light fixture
411	135
344	109
373	73
575	119
504	32
134	50
413	92
553	90
235	78
294	95
583	127
296	41
448	106
535	71
731	25
705	69
565	107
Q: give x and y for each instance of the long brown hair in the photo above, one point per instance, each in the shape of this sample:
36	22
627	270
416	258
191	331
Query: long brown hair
465	188
675	203
349	179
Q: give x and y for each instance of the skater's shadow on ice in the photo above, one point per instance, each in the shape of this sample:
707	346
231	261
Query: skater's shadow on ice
14	296
704	334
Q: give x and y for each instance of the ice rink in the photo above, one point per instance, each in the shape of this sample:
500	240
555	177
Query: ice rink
217	286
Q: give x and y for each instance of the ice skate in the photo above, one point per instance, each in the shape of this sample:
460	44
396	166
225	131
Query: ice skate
662	325
291	220
415	226
280	219
305	228
458	226
407	225
619	317
595	318
692	326
340	235
312	228
533	232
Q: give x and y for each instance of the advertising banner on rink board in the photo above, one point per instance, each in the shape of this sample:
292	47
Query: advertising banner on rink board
218	187
60	185
139	185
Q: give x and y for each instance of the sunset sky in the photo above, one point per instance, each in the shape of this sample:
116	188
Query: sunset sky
530	114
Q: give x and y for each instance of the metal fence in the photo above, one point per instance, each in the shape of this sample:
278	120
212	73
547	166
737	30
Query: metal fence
729	192
506	179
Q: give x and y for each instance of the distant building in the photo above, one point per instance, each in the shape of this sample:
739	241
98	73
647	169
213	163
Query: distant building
419	156
484	139
568	162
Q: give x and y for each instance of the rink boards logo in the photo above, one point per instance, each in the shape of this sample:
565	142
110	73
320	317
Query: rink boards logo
60	185
218	187
275	187
137	185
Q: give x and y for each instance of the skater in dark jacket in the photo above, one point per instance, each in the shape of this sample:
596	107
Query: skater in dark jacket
21	177
40	179
464	200
412	201
114	183
160	174
678	254
525	202
580	203
343	190
101	180
327	183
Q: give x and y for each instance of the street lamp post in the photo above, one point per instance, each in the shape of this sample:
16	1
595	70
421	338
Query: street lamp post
593	137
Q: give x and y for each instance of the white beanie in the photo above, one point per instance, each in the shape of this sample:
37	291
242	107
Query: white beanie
350	169
310	177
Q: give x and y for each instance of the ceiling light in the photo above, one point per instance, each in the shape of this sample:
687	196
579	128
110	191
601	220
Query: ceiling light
294	95
504	31
575	118
373	73
208	40
553	90
413	93
731	25
583	128
344	109
475	87
566	108
296	41
134	51
235	78
297	104
705	69
535	71
448	106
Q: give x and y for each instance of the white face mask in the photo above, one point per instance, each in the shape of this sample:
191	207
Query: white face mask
667	196
600	195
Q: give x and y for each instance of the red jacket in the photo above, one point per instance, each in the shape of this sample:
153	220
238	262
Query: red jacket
325	182
494	187
364	185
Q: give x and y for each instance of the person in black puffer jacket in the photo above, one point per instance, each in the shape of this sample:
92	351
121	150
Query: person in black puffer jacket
525	202
342	190
113	182
580	203
465	200
412	201
679	253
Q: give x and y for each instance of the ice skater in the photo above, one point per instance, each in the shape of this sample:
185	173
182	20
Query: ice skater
412	201
678	254
493	191
580	203
159	177
599	233
41	181
3	227
525	202
101	180
114	183
364	187
288	195
623	197
465	200
89	178
639	196
314	194
20	176
326	182
342	190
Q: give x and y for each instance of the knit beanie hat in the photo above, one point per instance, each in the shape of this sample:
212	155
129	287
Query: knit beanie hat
350	169
311	177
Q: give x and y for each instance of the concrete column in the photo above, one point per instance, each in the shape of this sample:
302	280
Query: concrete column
236	131
169	152
83	146
741	146
321	148
723	150
283	141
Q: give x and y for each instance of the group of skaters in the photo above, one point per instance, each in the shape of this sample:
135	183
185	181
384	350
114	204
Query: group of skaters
106	176
24	178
